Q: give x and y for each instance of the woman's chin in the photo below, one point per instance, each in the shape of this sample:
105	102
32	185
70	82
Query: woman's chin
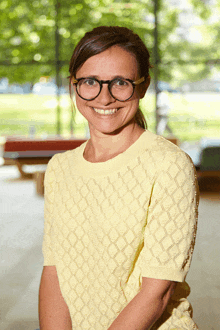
105	129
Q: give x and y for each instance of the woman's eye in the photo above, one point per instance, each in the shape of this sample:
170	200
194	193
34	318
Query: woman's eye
120	82
89	82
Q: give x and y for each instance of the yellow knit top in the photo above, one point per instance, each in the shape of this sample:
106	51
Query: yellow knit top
109	224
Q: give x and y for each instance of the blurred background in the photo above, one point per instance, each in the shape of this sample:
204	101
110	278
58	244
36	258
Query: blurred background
37	39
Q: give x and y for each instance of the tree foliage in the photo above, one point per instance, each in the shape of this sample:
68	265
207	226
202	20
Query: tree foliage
27	35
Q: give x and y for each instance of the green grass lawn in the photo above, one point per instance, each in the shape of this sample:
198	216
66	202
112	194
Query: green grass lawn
191	117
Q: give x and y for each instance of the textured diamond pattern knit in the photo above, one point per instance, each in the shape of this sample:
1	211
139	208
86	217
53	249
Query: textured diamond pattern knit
109	224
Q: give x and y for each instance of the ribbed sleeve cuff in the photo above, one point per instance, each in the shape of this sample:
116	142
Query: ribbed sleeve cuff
164	273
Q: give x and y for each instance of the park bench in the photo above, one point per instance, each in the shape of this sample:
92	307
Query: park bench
24	151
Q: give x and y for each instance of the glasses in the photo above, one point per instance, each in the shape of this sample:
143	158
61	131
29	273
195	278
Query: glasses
120	89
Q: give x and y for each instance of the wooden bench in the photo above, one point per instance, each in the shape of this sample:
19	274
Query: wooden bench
22	151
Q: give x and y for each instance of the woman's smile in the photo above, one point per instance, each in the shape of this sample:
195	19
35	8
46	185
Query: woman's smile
105	111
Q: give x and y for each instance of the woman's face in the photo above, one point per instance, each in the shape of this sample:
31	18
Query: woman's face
113	62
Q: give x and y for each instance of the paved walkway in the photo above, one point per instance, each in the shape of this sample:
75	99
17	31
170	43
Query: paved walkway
21	223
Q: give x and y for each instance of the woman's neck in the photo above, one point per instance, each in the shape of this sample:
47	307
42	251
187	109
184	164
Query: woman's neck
102	147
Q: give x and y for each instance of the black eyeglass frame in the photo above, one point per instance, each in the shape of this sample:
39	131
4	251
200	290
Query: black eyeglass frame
109	82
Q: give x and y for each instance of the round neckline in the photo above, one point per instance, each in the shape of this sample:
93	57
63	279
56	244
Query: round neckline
111	157
84	167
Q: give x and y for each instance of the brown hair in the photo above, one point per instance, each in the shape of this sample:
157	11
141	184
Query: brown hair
104	37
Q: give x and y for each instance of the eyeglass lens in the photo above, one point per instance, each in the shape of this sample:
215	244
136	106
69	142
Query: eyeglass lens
89	88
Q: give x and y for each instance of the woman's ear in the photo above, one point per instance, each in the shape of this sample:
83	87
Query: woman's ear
144	86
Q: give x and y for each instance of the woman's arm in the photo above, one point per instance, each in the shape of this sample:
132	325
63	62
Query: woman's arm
146	307
53	311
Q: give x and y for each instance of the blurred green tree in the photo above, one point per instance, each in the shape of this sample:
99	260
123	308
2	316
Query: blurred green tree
27	35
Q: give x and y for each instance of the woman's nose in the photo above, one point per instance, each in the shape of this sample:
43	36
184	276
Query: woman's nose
105	97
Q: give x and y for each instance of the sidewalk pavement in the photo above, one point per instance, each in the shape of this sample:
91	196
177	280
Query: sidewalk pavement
21	223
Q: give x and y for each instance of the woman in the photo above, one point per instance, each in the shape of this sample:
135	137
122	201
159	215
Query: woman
120	210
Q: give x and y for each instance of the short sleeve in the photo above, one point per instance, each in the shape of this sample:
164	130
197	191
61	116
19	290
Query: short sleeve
172	220
49	189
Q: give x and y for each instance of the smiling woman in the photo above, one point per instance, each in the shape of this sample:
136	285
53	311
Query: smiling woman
101	99
120	210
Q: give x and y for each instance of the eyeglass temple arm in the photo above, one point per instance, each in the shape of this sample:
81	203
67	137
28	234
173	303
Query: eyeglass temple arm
137	82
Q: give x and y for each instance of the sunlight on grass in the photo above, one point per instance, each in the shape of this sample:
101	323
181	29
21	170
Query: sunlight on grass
192	115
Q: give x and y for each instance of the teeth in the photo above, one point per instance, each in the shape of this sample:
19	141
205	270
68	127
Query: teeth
105	112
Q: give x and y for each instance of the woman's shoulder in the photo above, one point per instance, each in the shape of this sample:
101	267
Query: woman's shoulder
64	159
163	152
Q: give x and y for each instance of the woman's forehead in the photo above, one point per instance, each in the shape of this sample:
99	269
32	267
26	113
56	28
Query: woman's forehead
114	61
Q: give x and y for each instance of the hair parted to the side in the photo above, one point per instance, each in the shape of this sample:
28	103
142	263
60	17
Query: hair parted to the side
104	37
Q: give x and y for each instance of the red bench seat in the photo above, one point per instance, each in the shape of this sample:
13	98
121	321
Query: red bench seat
22	151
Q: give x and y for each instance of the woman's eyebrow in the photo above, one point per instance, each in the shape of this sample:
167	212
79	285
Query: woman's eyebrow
119	77
90	76
112	78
